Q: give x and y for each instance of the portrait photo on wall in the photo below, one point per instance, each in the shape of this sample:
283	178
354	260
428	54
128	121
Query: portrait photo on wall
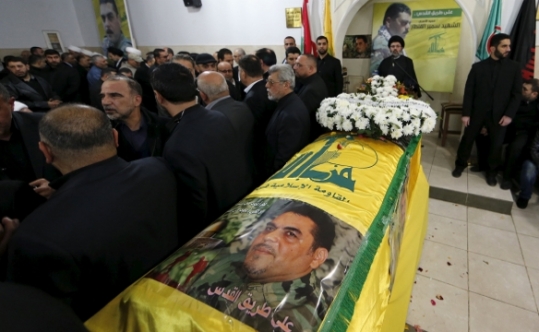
112	24
357	47
268	262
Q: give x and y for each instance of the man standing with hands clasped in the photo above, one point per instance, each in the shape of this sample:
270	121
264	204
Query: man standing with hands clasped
491	99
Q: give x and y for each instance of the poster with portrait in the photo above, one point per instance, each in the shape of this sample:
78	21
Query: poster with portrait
317	247
53	40
357	47
113	24
431	32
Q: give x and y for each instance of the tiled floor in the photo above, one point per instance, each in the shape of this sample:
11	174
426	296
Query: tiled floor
485	265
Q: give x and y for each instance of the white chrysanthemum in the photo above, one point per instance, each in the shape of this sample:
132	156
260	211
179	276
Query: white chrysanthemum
347	125
428	125
362	124
405	116
384	128
396	133
408	130
380	118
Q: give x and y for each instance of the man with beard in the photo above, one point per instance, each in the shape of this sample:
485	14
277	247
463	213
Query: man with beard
112	26
31	90
399	65
289	127
491	98
140	133
276	272
397	21
329	68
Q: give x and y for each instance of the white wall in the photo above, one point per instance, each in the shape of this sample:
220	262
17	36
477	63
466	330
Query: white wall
22	22
217	22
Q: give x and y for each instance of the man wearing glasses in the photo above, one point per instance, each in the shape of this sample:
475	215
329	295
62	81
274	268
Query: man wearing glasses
288	128
397	21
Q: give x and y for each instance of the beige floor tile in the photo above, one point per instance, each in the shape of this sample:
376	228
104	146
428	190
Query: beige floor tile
443	179
534	279
477	185
443	162
448	231
434	264
426	168
490	219
494	316
447	209
494	243
500	280
447	315
530	250
526	222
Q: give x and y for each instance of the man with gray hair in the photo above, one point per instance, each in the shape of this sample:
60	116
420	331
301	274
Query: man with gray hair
288	128
214	92
238	54
94	74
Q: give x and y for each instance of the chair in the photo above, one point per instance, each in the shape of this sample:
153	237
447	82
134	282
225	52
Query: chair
448	109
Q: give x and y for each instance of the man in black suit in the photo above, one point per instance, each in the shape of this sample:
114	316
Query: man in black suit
256	98
491	98
212	169
65	79
116	56
140	133
108	222
143	77
399	65
267	59
329	68
31	90
288	129
215	95
23	172
313	89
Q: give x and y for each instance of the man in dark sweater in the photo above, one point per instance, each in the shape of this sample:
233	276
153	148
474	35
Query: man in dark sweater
399	65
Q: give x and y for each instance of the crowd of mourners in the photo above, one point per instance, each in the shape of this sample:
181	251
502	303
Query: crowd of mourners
110	163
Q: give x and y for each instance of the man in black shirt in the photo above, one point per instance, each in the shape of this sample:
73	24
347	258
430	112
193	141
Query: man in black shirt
491	98
140	133
31	90
399	65
329	68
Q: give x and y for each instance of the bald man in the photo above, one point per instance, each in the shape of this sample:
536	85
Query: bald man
313	89
108	222
215	95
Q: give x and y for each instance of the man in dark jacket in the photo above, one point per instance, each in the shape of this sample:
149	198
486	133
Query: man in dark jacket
65	78
491	98
211	168
312	91
107	223
288	129
329	68
140	133
256	98
399	65
31	90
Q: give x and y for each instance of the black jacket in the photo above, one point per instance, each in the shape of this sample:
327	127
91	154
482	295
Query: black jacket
403	70
287	132
105	226
157	136
143	76
312	92
211	168
25	94
65	82
329	68
482	97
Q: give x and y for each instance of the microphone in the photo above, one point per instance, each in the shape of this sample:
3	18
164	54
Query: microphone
412	78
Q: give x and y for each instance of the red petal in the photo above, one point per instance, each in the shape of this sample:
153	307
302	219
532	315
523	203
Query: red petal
432	302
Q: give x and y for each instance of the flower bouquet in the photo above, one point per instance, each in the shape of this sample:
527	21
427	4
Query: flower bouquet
380	113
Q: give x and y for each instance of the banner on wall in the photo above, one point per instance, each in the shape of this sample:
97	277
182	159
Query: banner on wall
431	31
523	39
112	24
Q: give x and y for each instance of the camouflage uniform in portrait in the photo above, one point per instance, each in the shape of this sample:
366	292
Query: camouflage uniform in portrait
296	305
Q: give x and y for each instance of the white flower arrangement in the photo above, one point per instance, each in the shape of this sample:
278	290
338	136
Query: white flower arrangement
378	114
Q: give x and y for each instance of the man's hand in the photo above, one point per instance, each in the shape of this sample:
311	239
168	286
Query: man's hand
7	228
484	131
465	121
41	187
505	121
25	110
54	103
